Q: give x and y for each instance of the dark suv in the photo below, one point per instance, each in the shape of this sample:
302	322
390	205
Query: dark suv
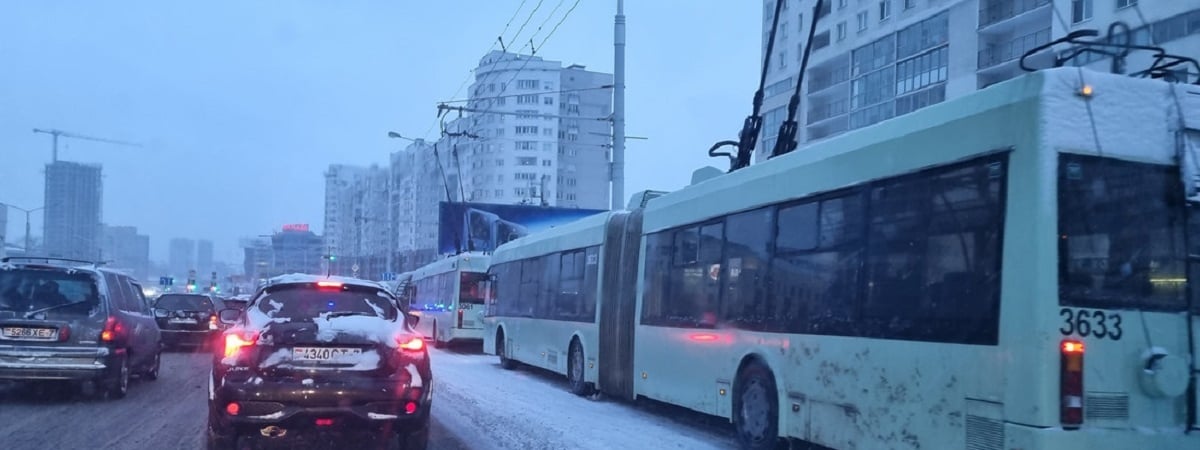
186	318
62	321
320	358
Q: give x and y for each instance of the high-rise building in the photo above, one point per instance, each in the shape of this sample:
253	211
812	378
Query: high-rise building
125	249
204	258
873	60
541	137
422	177
258	256
72	215
181	257
296	250
357	219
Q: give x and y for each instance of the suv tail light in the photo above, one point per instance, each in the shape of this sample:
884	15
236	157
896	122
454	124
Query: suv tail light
1071	383
235	342
415	344
114	330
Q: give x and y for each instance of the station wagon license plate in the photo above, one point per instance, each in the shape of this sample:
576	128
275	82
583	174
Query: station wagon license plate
187	321
41	334
323	353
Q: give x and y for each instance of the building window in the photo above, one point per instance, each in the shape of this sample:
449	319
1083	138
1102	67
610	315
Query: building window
910	4
527	113
842	4
1081	10
548	100
526	130
499	132
548	85
821	40
528	99
570	181
548	146
841	31
800	24
862	21
885	10
526	145
520	192
527	84
499	162
783	30
498	193
524	176
1125	3
547	163
548	131
527	161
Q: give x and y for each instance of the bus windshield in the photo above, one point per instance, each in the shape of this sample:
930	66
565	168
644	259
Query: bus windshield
1121	234
472	288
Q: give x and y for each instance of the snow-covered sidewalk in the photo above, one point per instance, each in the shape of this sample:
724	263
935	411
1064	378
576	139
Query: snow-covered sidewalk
487	407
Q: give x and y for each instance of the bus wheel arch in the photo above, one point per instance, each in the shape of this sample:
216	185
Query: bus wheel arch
755	412
502	352
576	371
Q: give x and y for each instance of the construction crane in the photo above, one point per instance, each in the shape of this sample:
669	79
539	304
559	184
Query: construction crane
54	134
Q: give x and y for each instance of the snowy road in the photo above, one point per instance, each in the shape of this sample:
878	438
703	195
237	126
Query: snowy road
477	405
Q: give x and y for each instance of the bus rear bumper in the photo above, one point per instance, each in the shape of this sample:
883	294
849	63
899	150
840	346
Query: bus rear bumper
1055	438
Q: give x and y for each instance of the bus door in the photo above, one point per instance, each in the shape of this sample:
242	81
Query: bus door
472	292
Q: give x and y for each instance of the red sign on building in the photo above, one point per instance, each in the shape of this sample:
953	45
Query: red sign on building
296	227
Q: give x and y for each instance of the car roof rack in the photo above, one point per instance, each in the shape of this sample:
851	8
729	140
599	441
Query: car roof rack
49	259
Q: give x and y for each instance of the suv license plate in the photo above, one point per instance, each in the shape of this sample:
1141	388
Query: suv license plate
40	334
187	321
323	353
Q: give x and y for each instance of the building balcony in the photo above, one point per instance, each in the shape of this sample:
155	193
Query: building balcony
825	111
995	11
1003	52
824	80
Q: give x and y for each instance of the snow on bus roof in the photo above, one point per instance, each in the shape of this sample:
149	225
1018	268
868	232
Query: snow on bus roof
585	232
1038	114
469	261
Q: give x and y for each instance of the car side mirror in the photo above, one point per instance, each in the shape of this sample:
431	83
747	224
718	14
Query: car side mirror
229	316
412	320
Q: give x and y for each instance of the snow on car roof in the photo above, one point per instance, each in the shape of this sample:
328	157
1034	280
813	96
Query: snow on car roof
296	278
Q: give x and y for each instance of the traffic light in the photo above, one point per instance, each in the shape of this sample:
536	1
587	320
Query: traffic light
333	257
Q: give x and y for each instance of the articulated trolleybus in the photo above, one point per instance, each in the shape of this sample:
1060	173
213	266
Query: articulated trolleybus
448	295
1005	270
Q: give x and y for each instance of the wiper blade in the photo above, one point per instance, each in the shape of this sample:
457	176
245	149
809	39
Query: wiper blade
30	314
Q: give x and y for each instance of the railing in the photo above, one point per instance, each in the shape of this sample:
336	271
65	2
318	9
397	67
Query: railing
832	109
998	10
824	80
1008	51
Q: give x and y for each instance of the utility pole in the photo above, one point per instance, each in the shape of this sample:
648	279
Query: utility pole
27	212
618	139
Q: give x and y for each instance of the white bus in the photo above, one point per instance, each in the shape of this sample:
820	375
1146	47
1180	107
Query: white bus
448	295
1005	270
553	281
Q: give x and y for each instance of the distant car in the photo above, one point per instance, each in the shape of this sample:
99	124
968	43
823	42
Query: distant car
186	319
63	321
320	356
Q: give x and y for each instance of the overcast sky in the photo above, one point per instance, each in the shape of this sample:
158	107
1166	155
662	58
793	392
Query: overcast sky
242	104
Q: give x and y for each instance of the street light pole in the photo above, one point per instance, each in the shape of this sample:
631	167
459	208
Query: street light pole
27	212
618	140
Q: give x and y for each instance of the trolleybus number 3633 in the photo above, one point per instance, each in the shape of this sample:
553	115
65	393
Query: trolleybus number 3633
1090	323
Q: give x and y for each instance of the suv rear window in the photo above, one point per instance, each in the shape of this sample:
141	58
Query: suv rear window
25	290
184	303
307	304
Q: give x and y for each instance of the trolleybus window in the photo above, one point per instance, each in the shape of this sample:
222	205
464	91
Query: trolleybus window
817	276
747	250
1121	234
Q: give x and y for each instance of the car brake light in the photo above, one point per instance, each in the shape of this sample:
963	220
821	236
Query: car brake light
410	407
324	422
234	342
113	329
1071	383
233	408
415	344
329	285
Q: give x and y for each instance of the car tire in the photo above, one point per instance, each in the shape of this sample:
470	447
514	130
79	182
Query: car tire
118	386
215	441
506	363
151	373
